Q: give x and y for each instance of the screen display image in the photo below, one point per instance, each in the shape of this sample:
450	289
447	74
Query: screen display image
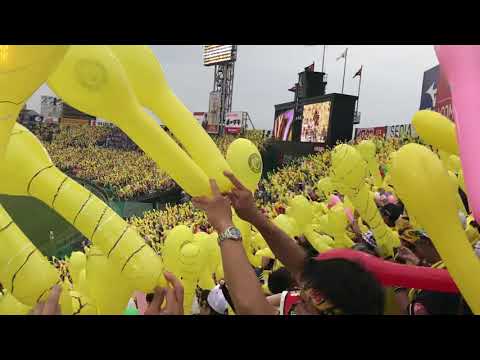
315	122
283	126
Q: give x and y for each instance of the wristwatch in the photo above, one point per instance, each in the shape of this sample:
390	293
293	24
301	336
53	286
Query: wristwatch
232	233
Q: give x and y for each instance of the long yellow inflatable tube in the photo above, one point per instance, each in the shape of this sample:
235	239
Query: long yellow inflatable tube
38	177
349	172
150	86
422	182
91	79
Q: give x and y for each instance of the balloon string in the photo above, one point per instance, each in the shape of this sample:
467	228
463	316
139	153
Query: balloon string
118	240
34	176
132	255
20	268
58	191
90	195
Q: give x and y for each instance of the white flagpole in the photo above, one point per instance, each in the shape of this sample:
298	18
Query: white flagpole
344	68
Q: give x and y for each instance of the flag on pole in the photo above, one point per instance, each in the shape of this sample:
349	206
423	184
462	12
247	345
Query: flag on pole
342	55
358	73
293	88
310	68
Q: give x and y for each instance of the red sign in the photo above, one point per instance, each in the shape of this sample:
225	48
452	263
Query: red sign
363	133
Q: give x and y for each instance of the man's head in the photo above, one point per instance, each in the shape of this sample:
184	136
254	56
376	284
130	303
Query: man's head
390	213
280	280
425	249
339	286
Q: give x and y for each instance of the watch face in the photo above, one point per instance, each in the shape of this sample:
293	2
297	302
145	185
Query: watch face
235	233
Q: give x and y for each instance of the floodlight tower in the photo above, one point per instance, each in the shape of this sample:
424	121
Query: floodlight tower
223	57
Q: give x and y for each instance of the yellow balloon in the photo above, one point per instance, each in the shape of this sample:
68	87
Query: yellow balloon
423	185
109	289
82	305
38	177
454	163
24	271
175	239
11	306
338	222
246	162
151	88
301	211
319	242
325	186
287	224
190	269
23	69
91	79
368	150
65	301
76	263
436	130
349	172
458	199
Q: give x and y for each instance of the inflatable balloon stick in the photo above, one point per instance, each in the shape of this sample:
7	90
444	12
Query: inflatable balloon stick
77	263
175	239
368	150
92	80
245	230
190	267
460	65
202	239
246	162
436	130
109	289
151	88
24	271
82	305
65	301
424	186
301	211
11	306
38	177
23	69
349	172
393	274
325	186
338	222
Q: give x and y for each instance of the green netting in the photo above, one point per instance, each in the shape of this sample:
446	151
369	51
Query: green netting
128	209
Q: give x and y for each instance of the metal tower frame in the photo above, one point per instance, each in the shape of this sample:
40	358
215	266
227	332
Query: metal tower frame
223	83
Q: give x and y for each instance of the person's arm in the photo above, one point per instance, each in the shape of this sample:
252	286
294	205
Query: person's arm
275	300
242	282
285	248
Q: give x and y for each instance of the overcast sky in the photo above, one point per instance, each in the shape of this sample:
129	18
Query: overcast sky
391	83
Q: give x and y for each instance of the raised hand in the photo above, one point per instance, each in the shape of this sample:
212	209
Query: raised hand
173	295
51	306
242	199
217	208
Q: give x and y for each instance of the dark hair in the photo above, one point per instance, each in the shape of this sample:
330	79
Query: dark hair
392	212
280	280
346	284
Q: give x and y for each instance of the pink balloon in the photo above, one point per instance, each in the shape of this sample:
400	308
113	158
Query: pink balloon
393	274
461	66
334	200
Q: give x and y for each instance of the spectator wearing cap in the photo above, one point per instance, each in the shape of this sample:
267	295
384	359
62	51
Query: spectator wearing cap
213	302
